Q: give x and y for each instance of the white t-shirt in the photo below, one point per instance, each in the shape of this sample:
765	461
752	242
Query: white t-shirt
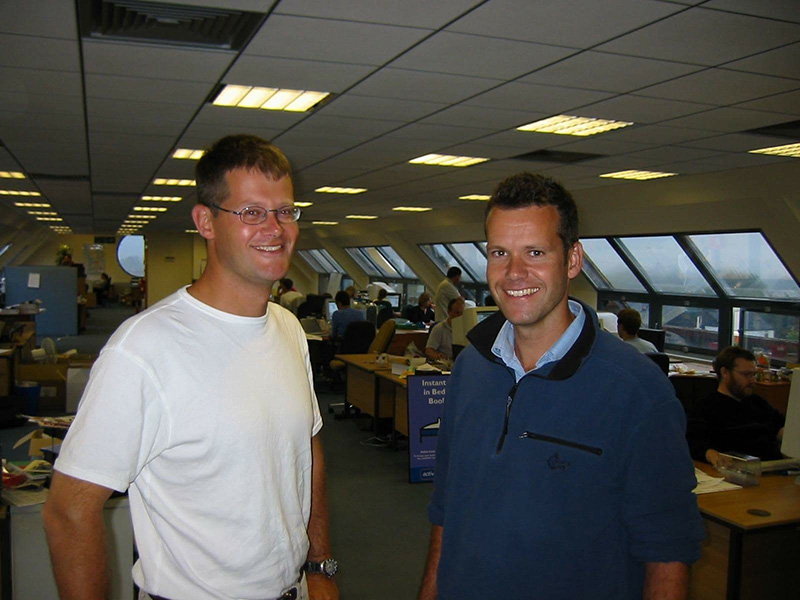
441	339
207	418
641	345
445	292
291	300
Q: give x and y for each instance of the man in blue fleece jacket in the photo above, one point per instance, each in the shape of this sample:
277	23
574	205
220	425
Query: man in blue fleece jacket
562	471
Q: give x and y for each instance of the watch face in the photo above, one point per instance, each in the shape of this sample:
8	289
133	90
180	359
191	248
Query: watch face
330	567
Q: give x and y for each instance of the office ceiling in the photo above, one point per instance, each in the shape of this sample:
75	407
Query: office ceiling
92	121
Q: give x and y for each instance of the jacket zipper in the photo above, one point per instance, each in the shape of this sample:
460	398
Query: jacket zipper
562	442
509	402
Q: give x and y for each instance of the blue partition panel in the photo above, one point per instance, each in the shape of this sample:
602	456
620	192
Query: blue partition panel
58	291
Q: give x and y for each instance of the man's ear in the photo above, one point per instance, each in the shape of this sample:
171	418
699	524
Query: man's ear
203	220
575	260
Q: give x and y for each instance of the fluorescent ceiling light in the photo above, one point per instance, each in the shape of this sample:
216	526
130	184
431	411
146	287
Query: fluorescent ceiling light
327	189
49	219
179	182
187	154
19	193
11	175
150	208
243	96
192	231
303	204
32	204
475	197
141	216
571	125
792	150
411	208
447	160
364	217
42	213
638	175
324	222
162	198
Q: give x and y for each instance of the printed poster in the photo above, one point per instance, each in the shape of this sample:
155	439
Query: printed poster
426	395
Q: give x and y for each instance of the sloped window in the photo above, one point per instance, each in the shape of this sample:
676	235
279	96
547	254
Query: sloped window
363	262
666	266
444	259
605	269
472	259
398	263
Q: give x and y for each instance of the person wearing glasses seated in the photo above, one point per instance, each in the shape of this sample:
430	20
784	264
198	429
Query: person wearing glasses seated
734	418
422	312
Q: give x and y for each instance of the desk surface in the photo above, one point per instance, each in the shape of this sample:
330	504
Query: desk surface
777	494
367	362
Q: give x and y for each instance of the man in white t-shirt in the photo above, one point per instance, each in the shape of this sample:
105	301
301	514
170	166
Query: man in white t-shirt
629	321
203	409
446	291
289	297
440	340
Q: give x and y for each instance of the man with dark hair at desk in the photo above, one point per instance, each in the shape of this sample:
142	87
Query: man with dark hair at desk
203	408
288	296
422	312
734	418
629	321
562	471
446	291
440	340
344	315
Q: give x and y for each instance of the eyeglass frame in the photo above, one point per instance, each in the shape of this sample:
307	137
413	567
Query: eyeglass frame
296	213
746	374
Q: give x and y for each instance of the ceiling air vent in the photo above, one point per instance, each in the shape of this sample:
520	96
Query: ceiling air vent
172	24
789	130
554	156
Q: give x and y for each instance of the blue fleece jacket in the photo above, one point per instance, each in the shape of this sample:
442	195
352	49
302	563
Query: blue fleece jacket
563	485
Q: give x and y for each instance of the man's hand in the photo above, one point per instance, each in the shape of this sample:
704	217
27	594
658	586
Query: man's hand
321	587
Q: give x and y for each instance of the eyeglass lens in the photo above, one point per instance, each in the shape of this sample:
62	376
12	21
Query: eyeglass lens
255	215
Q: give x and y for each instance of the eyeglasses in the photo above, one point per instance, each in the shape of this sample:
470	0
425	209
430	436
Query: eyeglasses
745	374
255	215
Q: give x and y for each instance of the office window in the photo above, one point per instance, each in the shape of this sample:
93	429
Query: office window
666	266
313	263
443	259
130	255
398	263
691	328
746	266
605	269
776	335
379	260
363	262
470	255
5	248
326	260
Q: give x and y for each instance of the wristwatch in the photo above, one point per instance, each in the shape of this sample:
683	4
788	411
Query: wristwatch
327	567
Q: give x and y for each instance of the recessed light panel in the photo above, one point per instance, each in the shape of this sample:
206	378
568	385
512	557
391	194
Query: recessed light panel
303	204
243	96
638	175
42	213
483	197
327	189
141	216
49	219
162	198
324	222
150	208
31	204
571	125
364	217
187	154
447	160
11	175
411	208
792	150
178	182
19	193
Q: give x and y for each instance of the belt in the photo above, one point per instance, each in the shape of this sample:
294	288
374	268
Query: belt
291	594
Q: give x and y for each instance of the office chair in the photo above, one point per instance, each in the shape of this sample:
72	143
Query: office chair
357	339
383	338
661	359
384	314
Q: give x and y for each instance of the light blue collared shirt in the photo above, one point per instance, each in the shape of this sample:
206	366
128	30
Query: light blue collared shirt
503	346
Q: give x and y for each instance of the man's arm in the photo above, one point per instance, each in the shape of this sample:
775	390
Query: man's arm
76	535
428	588
666	581
320	587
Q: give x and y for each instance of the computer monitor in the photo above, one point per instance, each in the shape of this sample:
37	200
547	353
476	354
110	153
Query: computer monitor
330	308
394	299
657	337
471	317
791	430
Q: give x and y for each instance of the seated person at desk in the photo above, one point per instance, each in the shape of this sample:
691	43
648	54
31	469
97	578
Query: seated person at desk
734	419
381	301
628	323
343	316
422	313
440	341
288	296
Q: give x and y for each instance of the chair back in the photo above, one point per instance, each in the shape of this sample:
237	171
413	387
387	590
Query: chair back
661	359
384	315
384	337
357	338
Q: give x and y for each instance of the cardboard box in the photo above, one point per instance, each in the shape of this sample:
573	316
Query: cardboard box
38	440
52	378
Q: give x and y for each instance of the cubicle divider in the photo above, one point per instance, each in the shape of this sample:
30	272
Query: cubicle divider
56	287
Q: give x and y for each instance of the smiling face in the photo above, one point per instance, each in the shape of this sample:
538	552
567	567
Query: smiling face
251	257
527	272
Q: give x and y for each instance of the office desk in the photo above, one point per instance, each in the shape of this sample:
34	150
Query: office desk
746	556
403	337
394	389
362	388
774	392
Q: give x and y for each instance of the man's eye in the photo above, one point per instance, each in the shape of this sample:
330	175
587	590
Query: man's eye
285	212
253	212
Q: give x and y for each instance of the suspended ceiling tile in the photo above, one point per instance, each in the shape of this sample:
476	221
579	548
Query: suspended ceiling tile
659	134
640	109
238	120
131	143
201	135
608	72
46	19
597	144
31	81
785	10
524	141
734	142
29	52
743	159
468	116
440	134
720	86
666	154
536	98
707	37
35	103
479	56
332	40
417	85
295	74
156	62
782	62
332	126
730	120
145	89
788	102
411	13
390	109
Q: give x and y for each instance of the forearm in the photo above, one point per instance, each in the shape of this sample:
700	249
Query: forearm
428	588
666	581
78	554
432	354
319	538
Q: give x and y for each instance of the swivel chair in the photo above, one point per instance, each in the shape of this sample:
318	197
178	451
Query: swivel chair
661	359
357	339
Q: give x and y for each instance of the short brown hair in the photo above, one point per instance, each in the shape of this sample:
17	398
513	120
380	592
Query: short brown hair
240	151
727	358
630	319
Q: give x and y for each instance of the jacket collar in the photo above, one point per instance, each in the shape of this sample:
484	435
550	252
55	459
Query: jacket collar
483	335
